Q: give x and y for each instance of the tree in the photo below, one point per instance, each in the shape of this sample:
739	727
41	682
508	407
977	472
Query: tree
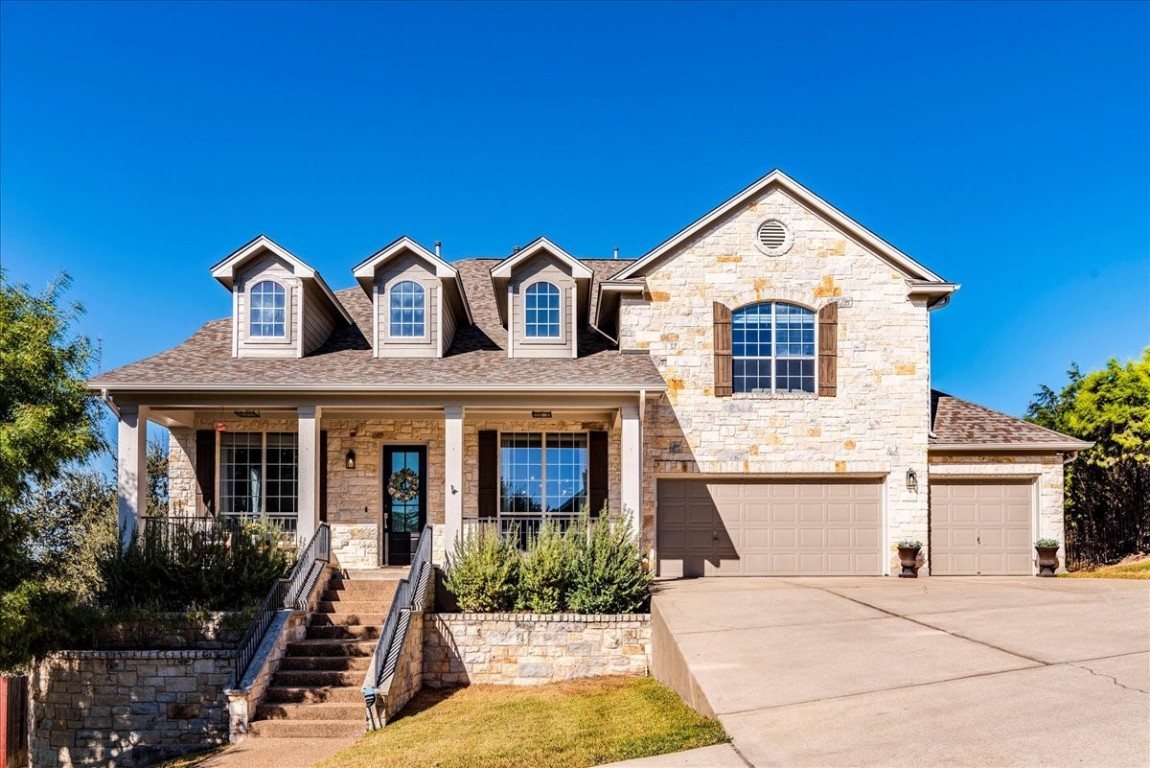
1108	489
157	463
48	422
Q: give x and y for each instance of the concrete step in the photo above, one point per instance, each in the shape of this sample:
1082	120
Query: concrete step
311	711
332	663
308	729
389	573
375	587
347	694
333	647
343	632
351	606
295	678
344	619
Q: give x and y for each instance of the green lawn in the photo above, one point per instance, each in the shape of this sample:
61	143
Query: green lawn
1139	569
562	725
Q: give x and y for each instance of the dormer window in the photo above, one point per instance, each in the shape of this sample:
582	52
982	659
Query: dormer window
407	315
541	310
268	310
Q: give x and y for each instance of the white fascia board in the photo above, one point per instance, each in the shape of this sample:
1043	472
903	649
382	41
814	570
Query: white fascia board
225	270
503	269
1070	445
366	269
803	195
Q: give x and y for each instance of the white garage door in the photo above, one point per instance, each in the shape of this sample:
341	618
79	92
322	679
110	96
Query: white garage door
981	528
720	528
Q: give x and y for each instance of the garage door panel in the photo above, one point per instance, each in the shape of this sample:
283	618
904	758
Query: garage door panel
771	528
980	527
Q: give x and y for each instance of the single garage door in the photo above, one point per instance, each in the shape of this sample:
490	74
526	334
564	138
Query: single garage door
720	528
980	528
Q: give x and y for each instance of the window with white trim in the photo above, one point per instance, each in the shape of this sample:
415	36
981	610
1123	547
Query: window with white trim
773	348
259	476
268	313
543	473
541	312
407	310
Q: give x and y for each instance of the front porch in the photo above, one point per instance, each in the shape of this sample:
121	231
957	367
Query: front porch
376	474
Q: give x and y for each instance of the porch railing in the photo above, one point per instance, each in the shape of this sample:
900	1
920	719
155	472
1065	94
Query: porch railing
408	597
290	594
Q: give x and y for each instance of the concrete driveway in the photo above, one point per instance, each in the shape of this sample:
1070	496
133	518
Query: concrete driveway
929	672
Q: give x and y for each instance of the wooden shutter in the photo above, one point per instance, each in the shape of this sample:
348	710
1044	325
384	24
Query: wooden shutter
205	471
828	350
723	383
597	472
488	473
323	476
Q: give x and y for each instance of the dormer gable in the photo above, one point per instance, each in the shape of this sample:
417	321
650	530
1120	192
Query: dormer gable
281	306
542	294
417	298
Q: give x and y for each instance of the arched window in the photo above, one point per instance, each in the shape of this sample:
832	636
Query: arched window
541	308
268	310
407	314
773	348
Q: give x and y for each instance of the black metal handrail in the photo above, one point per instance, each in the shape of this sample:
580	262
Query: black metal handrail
408	597
290	594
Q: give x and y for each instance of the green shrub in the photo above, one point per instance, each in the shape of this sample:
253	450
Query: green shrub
545	570
483	571
212	567
608	574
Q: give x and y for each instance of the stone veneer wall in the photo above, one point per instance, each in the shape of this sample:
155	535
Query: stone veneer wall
532	649
127	708
408	677
1046	470
877	424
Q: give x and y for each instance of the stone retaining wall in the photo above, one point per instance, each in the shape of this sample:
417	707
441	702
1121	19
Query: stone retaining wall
128	708
532	649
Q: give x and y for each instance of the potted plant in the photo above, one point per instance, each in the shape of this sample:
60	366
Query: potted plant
908	550
1047	550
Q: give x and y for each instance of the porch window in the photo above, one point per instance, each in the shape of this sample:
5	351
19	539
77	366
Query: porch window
259	476
542	475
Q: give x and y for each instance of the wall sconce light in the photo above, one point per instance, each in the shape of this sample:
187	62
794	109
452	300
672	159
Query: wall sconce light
911	480
349	460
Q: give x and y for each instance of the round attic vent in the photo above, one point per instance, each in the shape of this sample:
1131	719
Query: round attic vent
774	239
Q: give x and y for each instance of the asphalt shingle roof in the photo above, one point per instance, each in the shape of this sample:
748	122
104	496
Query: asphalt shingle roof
477	357
960	422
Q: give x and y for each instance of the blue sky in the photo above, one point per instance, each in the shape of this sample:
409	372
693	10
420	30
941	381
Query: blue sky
1005	146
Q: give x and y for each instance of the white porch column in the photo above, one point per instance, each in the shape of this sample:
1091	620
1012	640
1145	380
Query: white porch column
631	455
452	475
132	468
309	471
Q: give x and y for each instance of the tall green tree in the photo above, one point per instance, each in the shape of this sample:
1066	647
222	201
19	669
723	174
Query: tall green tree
1108	489
48	422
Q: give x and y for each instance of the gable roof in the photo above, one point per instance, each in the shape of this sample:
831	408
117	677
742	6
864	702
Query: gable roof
501	273
778	179
960	425
364	272
225	270
477	359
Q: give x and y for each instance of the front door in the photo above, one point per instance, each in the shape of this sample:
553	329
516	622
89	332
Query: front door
404	501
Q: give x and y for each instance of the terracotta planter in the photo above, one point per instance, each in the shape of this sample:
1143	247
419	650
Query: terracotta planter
908	558
1047	561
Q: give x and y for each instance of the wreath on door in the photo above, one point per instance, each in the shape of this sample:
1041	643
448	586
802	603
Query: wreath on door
403	485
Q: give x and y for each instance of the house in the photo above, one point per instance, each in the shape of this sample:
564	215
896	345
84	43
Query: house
753	394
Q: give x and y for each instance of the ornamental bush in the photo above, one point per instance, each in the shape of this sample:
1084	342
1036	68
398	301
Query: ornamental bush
546	569
608	574
483	571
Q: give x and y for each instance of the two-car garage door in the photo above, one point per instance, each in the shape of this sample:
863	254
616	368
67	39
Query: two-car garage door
727	528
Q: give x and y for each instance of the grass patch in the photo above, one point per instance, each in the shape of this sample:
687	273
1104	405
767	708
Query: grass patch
563	725
1131	569
192	759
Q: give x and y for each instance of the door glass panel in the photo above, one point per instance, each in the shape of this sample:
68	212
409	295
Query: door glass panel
405	489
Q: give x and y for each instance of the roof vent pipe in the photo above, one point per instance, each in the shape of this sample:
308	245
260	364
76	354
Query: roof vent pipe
517	249
438	246
616	251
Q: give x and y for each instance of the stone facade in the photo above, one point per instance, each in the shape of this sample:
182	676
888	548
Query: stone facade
532	649
876	425
127	708
408	678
